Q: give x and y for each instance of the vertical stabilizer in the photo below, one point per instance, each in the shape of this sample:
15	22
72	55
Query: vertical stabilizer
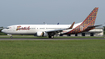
89	21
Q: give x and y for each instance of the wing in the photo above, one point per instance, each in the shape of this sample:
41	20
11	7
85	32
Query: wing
53	32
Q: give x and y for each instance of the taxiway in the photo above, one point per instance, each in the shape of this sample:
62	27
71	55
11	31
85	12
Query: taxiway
49	39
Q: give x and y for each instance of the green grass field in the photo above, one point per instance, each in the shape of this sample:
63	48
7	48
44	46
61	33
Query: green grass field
52	49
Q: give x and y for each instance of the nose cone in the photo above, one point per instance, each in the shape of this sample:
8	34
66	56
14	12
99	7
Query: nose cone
2	30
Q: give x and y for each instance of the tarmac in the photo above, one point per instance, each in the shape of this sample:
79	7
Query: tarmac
52	39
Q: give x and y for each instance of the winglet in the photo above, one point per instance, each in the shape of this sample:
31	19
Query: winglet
71	26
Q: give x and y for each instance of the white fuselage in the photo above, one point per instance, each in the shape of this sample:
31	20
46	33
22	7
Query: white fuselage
32	29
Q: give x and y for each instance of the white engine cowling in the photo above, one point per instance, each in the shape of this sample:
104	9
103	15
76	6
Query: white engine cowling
42	34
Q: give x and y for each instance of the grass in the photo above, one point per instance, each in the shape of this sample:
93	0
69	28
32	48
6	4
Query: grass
52	49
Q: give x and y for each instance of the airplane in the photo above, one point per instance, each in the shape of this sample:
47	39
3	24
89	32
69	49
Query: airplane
51	30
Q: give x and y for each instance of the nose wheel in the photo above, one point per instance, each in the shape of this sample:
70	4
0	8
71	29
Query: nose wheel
11	37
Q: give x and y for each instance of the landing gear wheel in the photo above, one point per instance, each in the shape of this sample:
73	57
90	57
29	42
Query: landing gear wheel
50	36
11	37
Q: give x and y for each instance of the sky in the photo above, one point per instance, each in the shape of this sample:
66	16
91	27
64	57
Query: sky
14	12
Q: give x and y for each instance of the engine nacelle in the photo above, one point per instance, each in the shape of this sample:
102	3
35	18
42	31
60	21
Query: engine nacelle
42	34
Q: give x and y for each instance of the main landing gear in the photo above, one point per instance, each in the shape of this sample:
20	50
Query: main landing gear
50	36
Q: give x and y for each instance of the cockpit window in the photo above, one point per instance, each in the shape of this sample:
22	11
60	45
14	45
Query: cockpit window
7	28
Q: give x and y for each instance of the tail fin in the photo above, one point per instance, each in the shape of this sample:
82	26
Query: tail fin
89	21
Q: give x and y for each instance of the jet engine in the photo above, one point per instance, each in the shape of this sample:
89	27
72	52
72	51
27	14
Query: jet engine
41	34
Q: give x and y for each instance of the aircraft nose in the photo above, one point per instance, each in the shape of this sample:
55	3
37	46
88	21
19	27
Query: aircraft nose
3	30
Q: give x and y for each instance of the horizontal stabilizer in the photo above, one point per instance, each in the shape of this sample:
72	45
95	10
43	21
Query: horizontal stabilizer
94	26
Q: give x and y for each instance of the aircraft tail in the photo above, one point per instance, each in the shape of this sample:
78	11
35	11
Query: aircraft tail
90	20
87	24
